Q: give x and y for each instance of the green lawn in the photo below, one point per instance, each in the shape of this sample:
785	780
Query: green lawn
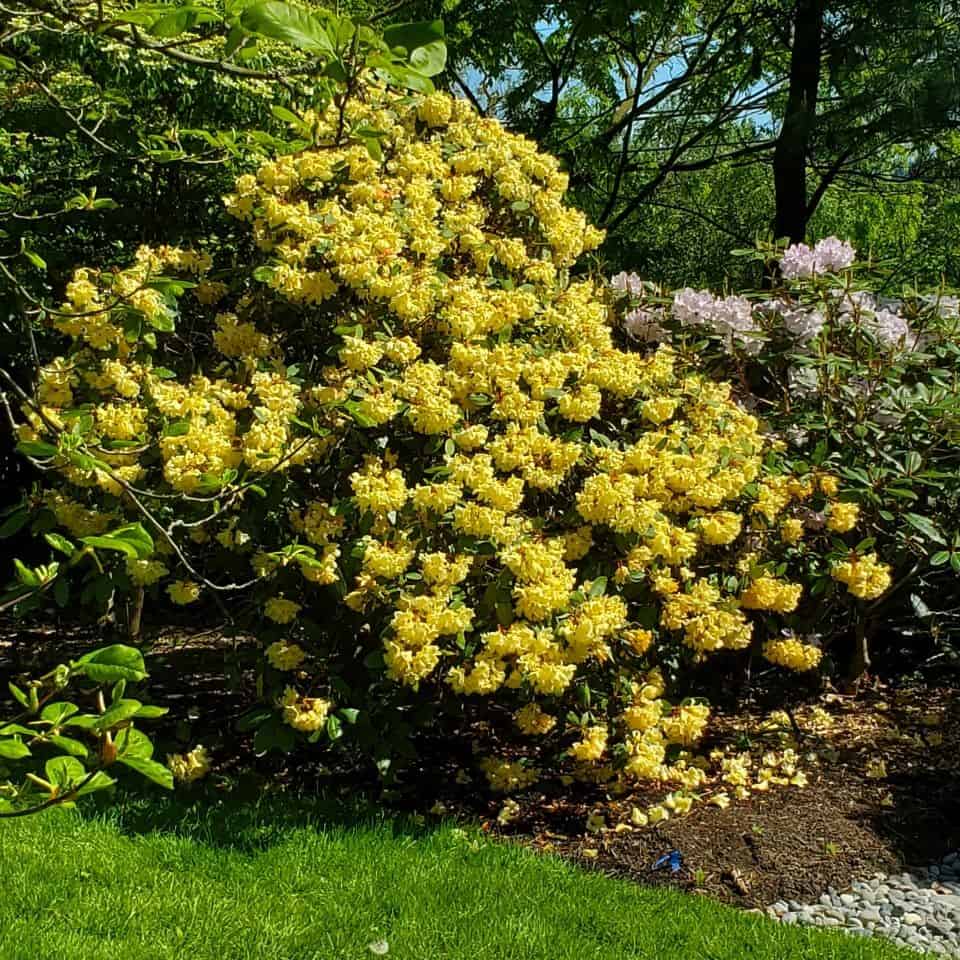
278	881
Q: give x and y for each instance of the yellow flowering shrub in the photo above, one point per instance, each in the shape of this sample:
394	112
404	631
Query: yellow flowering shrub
415	455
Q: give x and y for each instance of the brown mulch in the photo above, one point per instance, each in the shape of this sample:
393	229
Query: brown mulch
787	843
773	846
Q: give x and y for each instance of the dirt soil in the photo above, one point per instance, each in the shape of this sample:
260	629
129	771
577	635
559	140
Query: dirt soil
786	843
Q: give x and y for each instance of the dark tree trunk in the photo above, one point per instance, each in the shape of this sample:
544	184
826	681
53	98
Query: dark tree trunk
793	143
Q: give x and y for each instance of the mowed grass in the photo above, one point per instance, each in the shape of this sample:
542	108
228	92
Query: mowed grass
282	880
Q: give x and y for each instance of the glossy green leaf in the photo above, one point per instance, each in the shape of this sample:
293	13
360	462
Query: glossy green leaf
116	662
56	713
99	781
36	448
14	522
64	772
134	743
13	749
289	24
412	35
61	543
117	713
68	745
150	769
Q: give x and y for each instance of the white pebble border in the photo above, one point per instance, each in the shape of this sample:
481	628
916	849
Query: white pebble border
919	910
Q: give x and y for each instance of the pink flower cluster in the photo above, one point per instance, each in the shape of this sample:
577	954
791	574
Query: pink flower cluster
729	316
828	256
627	284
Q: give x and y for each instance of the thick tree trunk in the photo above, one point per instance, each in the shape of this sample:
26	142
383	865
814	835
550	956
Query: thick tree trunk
793	144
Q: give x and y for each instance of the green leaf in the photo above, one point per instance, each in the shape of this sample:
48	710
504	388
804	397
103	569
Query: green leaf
150	769
60	543
334	727
161	320
289	24
116	662
253	719
17	694
362	420
64	772
7	63
83	721
180	20
135	534
35	259
411	79
15	522
287	116
108	543
171	25
36	448
99	781
56	713
148	712
9	729
68	745
599	587
430	59
134	743
925	526
143	15
419	33
131	540
235	38
28	577
13	749
117	713
373	148
178	428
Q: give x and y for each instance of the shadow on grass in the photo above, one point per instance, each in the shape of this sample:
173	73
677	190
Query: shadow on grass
245	821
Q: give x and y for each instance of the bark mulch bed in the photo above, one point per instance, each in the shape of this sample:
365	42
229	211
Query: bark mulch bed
786	843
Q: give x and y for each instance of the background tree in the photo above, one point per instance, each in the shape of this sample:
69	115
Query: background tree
636	97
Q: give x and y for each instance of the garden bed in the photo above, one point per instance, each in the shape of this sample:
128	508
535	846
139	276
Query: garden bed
786	843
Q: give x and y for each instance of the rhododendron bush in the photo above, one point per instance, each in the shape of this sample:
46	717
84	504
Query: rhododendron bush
413	457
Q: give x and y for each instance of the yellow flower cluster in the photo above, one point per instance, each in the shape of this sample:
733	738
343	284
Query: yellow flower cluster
306	714
281	610
792	654
592	746
708	621
145	572
285	656
864	575
842	517
721	528
533	721
190	766
506	776
685	725
183	592
768	593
